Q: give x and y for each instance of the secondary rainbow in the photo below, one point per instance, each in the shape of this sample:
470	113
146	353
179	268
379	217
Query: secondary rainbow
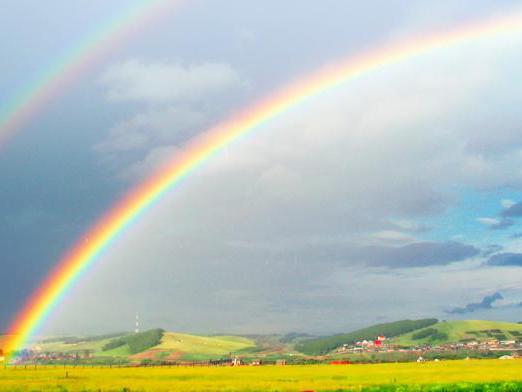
83	57
210	143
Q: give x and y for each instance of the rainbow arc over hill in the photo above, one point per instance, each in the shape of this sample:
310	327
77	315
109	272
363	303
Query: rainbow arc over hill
201	149
91	51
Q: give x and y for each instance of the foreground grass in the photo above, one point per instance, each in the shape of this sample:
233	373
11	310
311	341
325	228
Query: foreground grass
387	377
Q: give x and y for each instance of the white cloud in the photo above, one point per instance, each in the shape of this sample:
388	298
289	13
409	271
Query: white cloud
178	102
152	128
156	82
488	221
393	236
506	203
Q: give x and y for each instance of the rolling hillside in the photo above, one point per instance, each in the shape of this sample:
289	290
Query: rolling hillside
160	345
171	345
202	347
324	345
94	344
461	331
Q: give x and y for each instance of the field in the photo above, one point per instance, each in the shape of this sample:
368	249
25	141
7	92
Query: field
261	378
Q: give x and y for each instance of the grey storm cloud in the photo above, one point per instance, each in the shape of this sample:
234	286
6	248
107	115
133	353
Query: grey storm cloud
496	223
502	224
486	303
513	211
420	254
490	249
505	259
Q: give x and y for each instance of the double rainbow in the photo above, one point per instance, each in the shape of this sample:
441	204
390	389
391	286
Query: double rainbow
82	255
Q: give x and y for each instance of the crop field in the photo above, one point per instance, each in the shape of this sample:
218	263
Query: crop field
412	376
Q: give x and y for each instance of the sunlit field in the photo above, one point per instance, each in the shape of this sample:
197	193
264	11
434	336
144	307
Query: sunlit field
415	376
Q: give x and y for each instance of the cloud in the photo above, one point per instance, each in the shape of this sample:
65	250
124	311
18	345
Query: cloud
515	210
486	303
177	101
505	259
420	254
495	223
393	236
507	203
410	226
490	249
154	127
155	82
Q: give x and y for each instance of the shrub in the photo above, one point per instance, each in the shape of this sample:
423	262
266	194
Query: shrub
137	342
424	333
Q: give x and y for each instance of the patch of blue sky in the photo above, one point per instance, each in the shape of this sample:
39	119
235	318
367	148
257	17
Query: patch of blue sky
464	220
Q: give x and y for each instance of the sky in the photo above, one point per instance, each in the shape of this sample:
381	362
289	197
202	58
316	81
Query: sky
394	196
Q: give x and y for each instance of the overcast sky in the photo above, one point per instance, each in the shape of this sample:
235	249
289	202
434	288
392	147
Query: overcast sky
394	196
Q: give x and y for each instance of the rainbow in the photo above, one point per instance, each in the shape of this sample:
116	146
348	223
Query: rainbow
88	53
83	254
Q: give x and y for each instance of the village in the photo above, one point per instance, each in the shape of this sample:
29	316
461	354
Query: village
383	345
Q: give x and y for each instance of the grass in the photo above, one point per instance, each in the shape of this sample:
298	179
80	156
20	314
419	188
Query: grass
460	330
202	347
440	376
190	347
60	346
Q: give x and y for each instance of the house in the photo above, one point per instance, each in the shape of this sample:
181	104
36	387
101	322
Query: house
492	342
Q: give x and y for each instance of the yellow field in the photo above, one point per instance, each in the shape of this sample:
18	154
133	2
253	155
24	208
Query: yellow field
264	378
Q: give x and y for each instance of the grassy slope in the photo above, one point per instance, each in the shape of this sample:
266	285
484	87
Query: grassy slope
457	330
199	347
94	346
191	346
323	345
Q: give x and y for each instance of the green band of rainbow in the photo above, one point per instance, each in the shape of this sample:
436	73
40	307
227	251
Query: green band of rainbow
85	55
204	147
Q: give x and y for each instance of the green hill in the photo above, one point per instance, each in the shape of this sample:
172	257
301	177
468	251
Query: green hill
152	344
69	344
160	345
324	345
202	347
461	331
